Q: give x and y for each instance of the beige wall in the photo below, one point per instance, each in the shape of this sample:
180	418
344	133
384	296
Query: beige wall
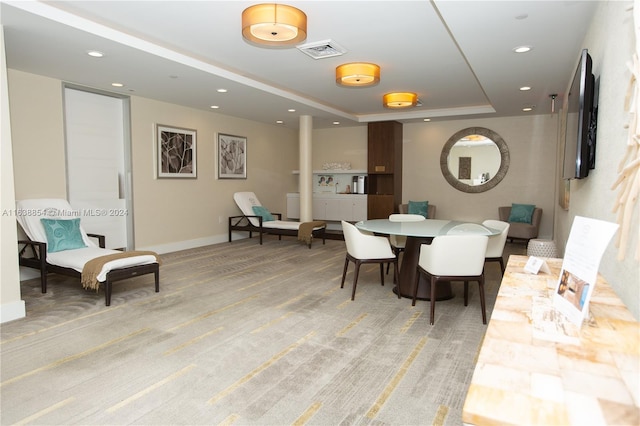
340	145
37	127
610	41
530	178
168	211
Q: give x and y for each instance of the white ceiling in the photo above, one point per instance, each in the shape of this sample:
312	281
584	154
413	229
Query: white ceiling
457	55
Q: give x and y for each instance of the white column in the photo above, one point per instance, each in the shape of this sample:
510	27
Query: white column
12	306
306	172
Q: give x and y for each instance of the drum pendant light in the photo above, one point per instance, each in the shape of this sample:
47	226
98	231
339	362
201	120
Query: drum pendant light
358	74
271	24
400	100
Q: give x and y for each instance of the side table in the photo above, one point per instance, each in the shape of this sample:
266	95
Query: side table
542	248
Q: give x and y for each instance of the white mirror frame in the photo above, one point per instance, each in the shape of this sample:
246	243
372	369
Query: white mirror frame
504	160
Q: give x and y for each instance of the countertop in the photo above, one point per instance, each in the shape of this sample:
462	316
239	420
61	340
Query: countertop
535	368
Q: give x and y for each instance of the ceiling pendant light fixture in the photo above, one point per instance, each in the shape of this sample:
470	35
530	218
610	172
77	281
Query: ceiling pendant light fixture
274	25
358	74
400	100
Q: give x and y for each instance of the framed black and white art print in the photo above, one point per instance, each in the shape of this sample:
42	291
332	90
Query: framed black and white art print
232	156
176	149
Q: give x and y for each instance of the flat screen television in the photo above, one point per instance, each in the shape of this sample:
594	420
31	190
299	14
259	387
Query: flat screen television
582	112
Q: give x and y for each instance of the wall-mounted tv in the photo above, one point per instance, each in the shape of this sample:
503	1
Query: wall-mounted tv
582	114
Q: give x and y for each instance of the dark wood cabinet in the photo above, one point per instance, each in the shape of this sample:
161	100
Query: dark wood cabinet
384	169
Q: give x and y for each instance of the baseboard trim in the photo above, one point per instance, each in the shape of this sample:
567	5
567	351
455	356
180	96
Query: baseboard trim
187	244
12	311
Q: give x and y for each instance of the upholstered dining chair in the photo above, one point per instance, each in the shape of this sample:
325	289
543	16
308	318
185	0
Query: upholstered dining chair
365	248
431	210
453	258
399	241
468	228
495	246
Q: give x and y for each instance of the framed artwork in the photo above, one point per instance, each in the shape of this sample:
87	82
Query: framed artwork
464	167
232	157
176	150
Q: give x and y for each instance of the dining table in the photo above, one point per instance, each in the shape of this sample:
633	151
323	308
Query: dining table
418	233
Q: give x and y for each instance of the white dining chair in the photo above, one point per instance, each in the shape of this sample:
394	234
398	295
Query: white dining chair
364	248
406	217
453	258
468	228
495	247
398	242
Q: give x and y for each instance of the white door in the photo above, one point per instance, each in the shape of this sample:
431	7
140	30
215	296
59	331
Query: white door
97	184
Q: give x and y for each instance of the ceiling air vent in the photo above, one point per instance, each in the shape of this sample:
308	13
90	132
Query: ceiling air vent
322	49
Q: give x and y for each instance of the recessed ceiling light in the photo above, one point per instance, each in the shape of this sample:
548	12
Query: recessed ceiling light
335	123
291	110
427	119
117	84
522	49
279	122
525	88
214	107
222	90
95	53
527	109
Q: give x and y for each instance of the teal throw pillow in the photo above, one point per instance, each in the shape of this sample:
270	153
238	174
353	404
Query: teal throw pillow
63	234
418	207
261	211
522	213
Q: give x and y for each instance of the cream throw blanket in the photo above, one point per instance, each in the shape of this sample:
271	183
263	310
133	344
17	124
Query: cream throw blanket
92	268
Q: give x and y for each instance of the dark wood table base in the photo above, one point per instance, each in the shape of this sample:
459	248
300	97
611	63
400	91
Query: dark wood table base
409	269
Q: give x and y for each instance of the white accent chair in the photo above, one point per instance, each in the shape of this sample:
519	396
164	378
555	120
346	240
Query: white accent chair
35	252
251	222
495	247
453	258
364	248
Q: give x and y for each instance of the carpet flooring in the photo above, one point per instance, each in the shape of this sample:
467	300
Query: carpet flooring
241	334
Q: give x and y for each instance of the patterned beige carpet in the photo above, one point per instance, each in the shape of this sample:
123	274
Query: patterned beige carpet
241	334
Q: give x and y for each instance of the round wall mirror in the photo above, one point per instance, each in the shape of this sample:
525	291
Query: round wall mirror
474	159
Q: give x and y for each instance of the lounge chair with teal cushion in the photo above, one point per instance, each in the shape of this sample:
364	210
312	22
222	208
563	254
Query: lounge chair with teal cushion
57	243
257	218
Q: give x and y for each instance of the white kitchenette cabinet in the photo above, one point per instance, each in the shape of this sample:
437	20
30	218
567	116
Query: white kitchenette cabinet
331	207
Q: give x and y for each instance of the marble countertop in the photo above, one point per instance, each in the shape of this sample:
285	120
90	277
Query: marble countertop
535	368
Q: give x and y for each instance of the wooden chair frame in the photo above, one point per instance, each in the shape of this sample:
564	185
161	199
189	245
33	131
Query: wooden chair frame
435	279
356	272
